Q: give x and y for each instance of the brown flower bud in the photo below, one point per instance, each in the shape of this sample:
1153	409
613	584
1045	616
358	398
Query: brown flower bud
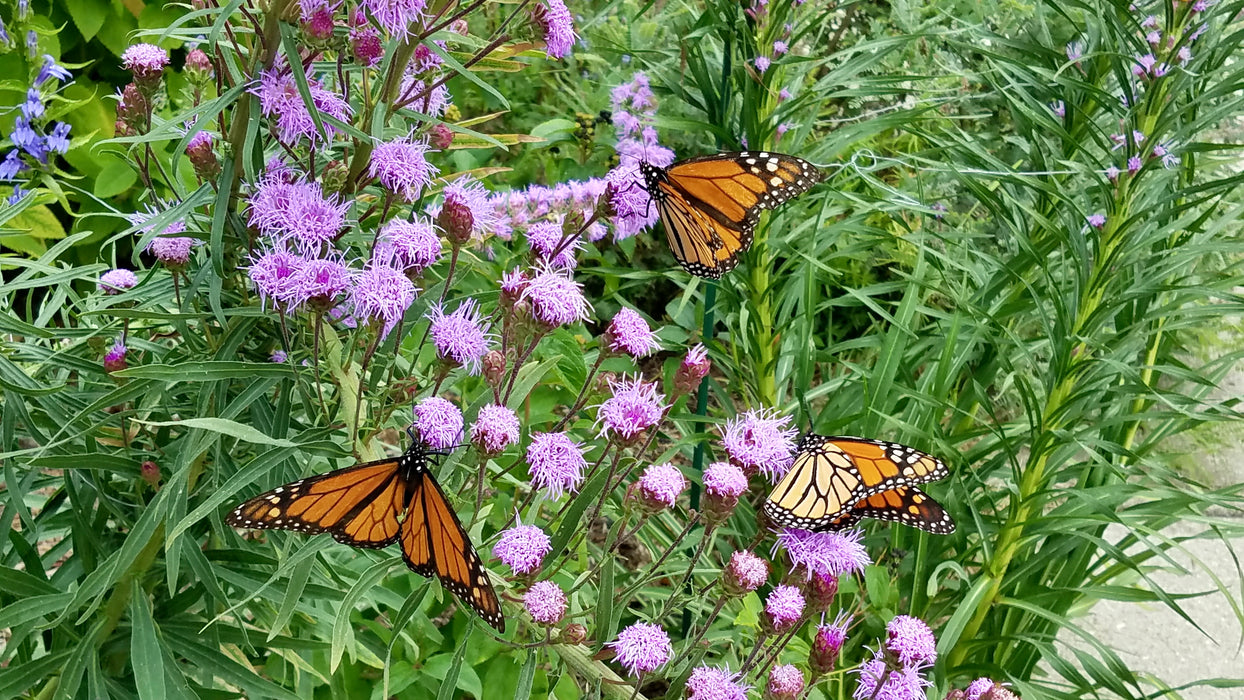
198	68
574	634
150	472
494	368
440	137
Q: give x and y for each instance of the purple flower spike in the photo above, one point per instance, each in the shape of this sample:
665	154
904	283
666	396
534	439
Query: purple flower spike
382	293
745	573
438	422
145	61
760	440
784	607
545	602
173	251
545	237
709	683
275	276
634	407
911	640
461	337
496	428
661	485
628	332
395	16
641	648
413	246
402	168
785	683
556	463
1096	220
827	644
522	548
117	281
557	26
556	299
724	479
829	553
907	684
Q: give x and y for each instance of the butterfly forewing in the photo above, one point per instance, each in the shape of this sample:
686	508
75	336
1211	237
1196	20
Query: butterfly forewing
710	205
830	475
374	505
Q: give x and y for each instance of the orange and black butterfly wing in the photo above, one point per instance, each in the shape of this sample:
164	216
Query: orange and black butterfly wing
831	474
435	544
710	205
358	505
907	505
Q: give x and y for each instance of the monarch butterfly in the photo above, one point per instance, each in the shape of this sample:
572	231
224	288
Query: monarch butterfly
835	481
375	504
710	205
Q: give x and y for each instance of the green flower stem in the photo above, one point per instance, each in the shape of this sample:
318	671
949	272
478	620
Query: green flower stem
269	40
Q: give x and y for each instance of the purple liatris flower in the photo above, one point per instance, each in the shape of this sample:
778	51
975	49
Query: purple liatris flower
402	168
1096	220
382	293
556	463
395	16
642	648
780	47
278	356
745	573
911	641
275	276
710	683
522	548
1112	173
145	61
988	689
438	422
173	251
628	332
827	644
557	26
724	480
114	359
1134	164
461	337
556	299
907	684
762	64
1058	108
321	281
760	440
785	683
545	602
634	407
783	608
545	237
117	281
410	245
831	553
692	370
312	218
495	428
279	97
660	486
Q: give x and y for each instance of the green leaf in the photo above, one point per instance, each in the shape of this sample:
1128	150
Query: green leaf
450	682
572	521
527	676
224	427
343	632
145	653
116	177
208	371
19	677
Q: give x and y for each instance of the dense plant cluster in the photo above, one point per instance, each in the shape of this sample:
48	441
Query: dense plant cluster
322	224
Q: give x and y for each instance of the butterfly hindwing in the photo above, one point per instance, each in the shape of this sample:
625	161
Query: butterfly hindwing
375	504
832	474
906	504
710	205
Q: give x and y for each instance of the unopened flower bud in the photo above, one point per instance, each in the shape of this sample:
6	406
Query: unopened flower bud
827	645
440	137
459	27
198	68
693	369
574	634
456	220
821	591
335	176
202	157
150	472
785	683
493	368
318	29
365	45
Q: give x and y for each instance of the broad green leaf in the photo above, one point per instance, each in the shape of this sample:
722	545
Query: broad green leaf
224	426
145	654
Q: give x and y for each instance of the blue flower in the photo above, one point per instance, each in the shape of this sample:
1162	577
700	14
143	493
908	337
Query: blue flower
17	195
32	43
4	35
58	140
11	166
32	108
51	70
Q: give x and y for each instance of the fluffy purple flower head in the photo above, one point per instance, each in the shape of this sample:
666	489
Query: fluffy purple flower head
1112	173
145	61
279	98
545	237
907	684
278	356
988	689
829	553
410	245
780	47
629	333
545	602
784	607
641	648
745	573
724	479
634	407
556	463
322	280
1134	164
694	368
661	485
762	64
556	299
1096	220
312	218
911	641
438	422
522	548
114	359
557	25
460	337
396	16
117	281
760	440
785	683
495	428
402	167
827	644
711	683
275	276
784	95
173	251
382	293
513	284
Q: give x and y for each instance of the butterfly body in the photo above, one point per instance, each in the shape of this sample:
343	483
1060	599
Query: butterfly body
836	481
710	205
374	505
